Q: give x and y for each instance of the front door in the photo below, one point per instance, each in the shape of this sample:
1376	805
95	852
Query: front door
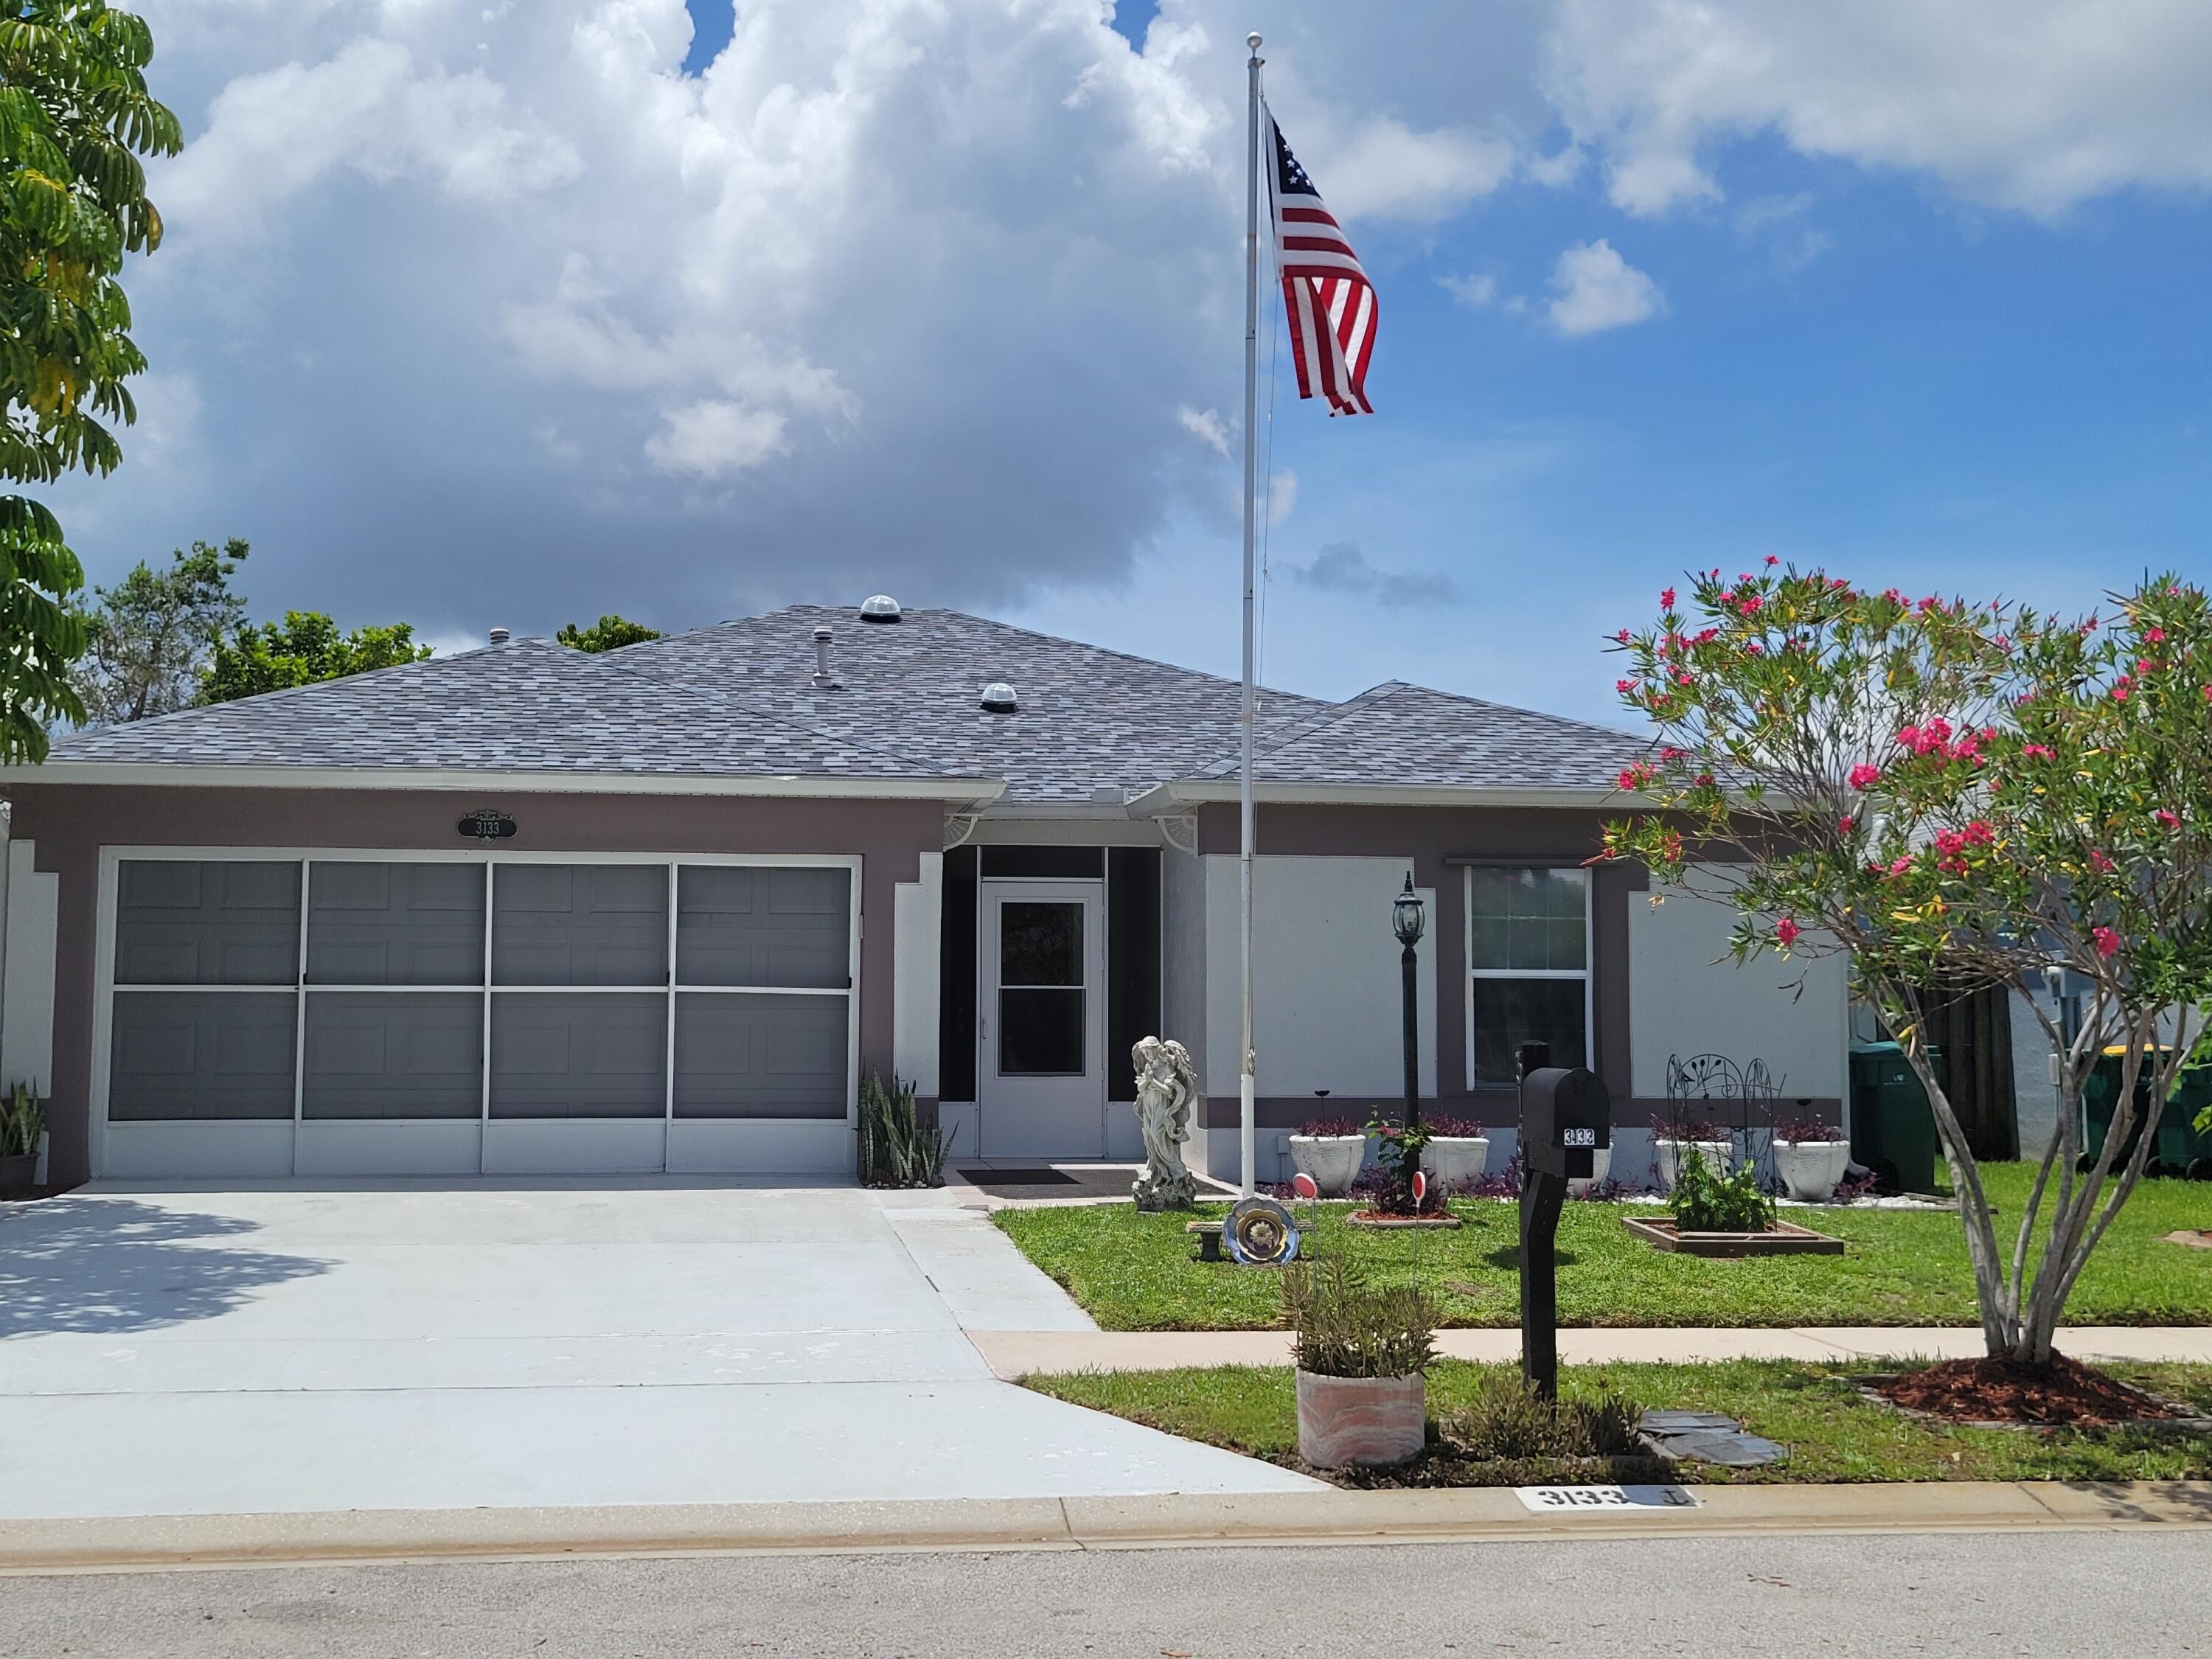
1041	1020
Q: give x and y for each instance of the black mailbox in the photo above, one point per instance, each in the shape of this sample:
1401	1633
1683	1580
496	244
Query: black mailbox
1567	1119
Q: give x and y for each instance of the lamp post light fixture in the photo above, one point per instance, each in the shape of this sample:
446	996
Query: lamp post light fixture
1406	920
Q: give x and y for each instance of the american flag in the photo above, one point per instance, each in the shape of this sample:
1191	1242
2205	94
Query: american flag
1330	302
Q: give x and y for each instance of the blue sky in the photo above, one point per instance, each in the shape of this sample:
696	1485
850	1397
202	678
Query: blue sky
478	315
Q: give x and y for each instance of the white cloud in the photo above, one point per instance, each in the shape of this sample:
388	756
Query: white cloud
1282	495
1473	292
1387	170
1206	426
711	438
1595	288
2027	104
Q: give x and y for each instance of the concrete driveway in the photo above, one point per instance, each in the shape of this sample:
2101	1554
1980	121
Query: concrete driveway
426	1345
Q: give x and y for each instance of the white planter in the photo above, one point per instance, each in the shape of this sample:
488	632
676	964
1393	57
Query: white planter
1451	1160
1360	1419
1812	1170
1600	1163
1668	1155
1332	1161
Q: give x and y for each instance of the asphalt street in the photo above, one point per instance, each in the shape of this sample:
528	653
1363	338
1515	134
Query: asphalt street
2081	1593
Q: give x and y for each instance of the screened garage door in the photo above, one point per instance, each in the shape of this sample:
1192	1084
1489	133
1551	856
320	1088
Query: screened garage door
365	1014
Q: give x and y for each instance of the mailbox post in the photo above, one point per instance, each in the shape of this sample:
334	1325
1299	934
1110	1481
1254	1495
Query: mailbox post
1566	1116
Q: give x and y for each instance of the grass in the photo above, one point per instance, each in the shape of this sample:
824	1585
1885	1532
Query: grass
1139	1272
1833	1433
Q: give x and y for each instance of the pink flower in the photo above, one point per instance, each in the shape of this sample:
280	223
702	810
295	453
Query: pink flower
1622	636
2170	819
1864	777
1892	596
1771	560
2108	942
1749	604
1786	930
2156	636
1754	649
1666	598
2101	861
1845	825
1624	686
1899	867
1668	752
2036	751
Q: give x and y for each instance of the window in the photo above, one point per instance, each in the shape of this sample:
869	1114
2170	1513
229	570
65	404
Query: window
469	989
1528	941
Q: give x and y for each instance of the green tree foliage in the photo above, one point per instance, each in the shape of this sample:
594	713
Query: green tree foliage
75	115
608	634
149	637
1954	795
305	647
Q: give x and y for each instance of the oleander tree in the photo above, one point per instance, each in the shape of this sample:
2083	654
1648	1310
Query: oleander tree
1954	794
75	117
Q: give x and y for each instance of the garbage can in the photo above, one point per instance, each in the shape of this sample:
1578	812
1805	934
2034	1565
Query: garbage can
1892	1129
2179	1149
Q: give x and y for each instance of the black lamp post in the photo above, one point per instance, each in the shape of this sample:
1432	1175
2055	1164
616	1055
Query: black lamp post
1406	921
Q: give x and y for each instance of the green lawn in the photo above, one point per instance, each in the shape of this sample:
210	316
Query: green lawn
1832	1432
1137	1272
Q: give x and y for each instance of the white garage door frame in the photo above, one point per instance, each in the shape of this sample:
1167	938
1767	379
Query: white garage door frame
277	1149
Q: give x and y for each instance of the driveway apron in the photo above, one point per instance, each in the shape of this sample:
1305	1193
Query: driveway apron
427	1346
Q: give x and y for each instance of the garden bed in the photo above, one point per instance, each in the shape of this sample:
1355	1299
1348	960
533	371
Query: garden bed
1783	1238
1834	1432
2000	1394
1136	1272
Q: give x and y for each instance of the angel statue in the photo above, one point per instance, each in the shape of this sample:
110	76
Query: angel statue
1167	1088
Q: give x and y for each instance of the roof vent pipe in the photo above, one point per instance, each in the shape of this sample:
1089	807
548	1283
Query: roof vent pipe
822	680
499	636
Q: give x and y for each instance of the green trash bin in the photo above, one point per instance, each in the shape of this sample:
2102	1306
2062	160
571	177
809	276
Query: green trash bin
2179	1150
1892	1129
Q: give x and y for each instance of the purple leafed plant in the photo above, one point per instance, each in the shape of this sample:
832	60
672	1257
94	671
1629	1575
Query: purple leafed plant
1682	1128
1329	1127
1452	1129
1807	1131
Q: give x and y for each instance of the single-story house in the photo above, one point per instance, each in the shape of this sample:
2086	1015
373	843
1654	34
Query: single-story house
527	910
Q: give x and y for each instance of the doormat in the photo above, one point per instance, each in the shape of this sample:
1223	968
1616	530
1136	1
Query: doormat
1038	1177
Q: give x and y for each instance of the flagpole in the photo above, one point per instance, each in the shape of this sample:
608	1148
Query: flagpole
1247	1061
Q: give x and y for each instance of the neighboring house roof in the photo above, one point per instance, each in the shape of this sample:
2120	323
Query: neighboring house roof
739	702
524	706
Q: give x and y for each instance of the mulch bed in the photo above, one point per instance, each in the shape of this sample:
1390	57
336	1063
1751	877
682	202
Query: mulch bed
2065	1392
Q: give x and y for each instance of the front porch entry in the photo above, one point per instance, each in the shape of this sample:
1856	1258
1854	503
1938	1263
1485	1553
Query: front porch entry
1041	1019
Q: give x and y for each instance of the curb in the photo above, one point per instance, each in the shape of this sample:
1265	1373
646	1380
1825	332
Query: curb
157	1543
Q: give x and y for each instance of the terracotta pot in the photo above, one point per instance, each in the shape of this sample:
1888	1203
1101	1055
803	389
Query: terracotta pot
1332	1161
1812	1170
1451	1160
1360	1419
1668	1155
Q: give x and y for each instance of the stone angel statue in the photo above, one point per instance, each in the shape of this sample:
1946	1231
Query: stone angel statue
1167	1092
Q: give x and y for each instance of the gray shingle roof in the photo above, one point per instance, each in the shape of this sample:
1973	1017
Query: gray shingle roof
527	706
738	700
1412	737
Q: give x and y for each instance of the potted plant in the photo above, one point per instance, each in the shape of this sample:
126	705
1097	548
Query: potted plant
1457	1151
1812	1159
23	1126
1332	1150
1672	1136
1361	1352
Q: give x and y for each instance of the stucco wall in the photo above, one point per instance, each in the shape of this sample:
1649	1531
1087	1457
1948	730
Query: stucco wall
68	824
1687	997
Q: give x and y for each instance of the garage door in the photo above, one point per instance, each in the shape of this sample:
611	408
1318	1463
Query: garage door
367	1013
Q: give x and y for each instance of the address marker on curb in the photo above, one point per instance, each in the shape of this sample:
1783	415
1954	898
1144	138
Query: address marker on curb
1599	1500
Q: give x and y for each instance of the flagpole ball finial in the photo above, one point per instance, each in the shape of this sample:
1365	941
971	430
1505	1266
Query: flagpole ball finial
1253	40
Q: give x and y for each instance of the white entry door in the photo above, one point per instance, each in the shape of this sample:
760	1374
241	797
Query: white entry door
1041	1020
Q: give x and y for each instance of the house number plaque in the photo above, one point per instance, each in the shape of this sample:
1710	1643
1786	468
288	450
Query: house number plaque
488	825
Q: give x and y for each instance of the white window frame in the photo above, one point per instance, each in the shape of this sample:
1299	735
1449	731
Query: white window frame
1587	973
252	1147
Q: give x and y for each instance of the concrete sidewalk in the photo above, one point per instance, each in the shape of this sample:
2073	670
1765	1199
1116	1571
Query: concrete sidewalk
1317	1515
1022	1353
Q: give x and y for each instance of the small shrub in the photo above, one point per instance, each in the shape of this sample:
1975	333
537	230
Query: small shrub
1397	1155
1703	1202
21	1122
1329	1127
1509	1420
895	1150
1346	1327
1808	1131
1451	1128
